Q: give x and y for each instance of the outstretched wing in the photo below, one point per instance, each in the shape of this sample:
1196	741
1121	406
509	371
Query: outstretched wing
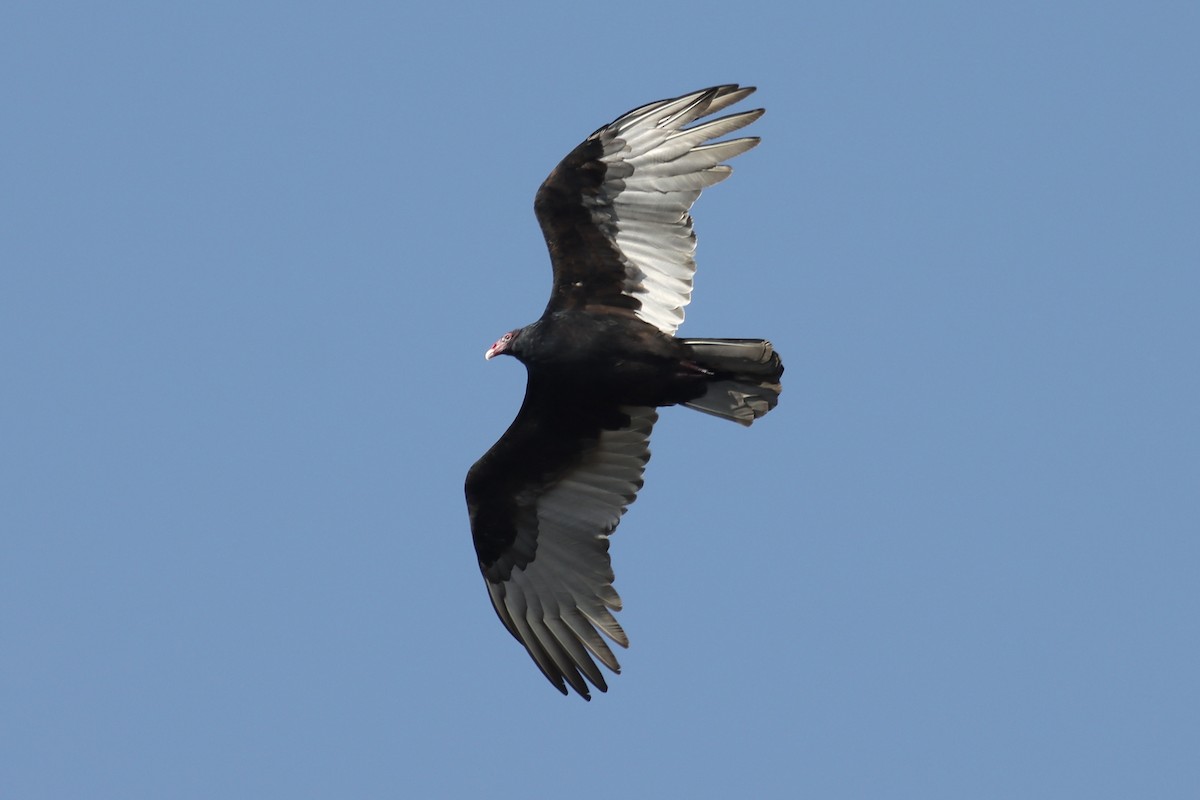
615	211
543	502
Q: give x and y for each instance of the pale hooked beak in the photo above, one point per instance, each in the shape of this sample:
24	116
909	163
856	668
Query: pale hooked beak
499	346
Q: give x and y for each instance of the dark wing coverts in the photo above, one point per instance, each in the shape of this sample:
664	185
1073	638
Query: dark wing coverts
615	211
543	539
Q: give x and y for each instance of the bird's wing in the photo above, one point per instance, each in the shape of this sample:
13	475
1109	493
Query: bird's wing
543	502
615	211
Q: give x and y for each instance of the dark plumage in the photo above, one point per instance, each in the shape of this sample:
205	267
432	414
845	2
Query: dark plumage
600	360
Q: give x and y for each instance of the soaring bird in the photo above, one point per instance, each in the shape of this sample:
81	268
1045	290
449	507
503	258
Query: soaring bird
544	500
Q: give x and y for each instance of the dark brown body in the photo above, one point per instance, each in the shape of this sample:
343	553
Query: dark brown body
610	360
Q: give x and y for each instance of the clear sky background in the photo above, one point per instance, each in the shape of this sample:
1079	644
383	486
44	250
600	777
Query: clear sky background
251	255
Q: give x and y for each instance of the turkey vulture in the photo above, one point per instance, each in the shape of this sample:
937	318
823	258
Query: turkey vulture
600	360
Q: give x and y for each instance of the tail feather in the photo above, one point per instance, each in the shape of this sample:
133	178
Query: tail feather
745	378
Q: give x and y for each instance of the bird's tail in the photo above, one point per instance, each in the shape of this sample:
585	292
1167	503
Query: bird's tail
744	382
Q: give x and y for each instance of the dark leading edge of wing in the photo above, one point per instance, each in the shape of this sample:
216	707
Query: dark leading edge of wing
615	211
543	502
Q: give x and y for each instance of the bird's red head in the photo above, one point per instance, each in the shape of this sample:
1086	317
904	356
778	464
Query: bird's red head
502	344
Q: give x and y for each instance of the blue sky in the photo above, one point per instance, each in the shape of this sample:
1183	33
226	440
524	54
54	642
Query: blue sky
251	255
